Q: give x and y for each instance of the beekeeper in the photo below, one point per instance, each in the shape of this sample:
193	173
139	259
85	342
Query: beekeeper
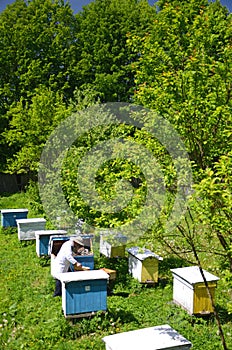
65	257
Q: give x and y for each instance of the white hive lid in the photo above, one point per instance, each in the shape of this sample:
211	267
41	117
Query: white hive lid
142	253
50	232
192	274
67	277
25	221
152	338
4	211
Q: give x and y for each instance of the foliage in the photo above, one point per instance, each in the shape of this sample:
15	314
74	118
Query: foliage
38	47
105	58
184	73
18	200
30	126
214	204
45	47
121	186
38	39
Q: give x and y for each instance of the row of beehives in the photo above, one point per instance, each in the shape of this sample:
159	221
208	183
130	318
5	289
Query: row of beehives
189	290
86	291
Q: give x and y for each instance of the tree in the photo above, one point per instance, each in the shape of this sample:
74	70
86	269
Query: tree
184	73
30	125
105	58
214	204
38	40
37	47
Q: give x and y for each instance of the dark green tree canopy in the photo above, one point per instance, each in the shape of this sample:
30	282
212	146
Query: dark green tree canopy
44	44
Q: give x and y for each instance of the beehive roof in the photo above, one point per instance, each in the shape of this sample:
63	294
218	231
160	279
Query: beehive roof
192	274
143	253
152	338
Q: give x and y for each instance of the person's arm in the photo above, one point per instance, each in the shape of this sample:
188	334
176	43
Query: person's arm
77	266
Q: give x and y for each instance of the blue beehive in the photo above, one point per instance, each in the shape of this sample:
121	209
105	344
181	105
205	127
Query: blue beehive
85	260
9	216
43	238
84	292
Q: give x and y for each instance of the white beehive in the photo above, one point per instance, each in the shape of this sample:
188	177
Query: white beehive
27	228
143	264
152	338
189	290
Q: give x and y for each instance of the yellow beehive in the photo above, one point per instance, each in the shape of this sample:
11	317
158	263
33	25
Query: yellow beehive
143	264
113	245
189	290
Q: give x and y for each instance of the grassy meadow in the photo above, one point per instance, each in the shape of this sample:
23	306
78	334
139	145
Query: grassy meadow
30	318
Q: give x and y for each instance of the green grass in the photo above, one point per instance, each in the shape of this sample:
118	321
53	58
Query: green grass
17	201
30	318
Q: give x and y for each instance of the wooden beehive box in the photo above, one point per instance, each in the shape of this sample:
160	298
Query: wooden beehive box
9	216
113	245
111	273
189	290
143	264
28	227
43	238
112	279
153	338
83	292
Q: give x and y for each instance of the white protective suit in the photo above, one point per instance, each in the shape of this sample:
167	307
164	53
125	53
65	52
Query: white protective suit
63	259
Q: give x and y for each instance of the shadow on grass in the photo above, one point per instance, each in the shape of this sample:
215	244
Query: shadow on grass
224	316
103	319
172	262
9	230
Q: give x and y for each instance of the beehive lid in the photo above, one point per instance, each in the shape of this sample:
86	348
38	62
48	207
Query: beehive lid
142	253
152	338
83	275
192	275
111	236
87	239
24	221
50	232
4	211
